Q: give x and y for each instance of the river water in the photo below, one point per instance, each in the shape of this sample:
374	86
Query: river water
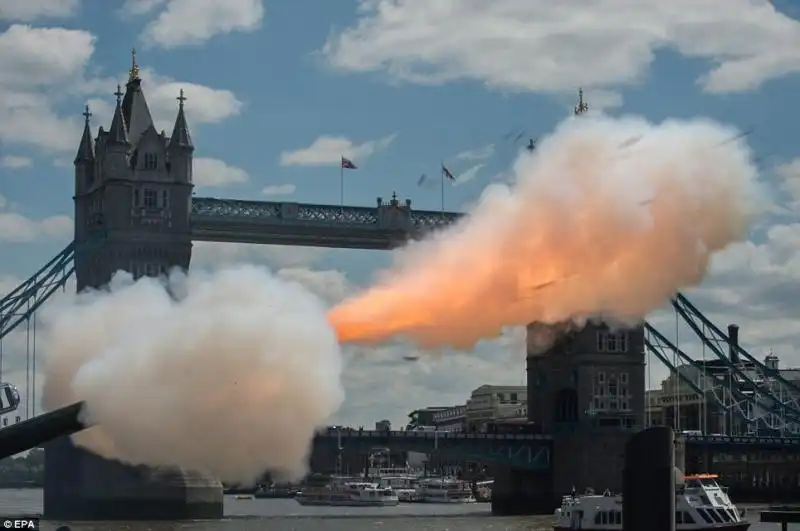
287	515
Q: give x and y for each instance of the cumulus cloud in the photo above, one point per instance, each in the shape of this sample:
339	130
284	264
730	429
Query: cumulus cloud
214	173
534	45
31	10
328	150
192	22
49	69
15	162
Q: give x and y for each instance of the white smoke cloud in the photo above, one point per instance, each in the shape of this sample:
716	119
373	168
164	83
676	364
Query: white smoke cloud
231	376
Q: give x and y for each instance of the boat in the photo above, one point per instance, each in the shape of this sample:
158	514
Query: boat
403	481
701	504
444	490
348	494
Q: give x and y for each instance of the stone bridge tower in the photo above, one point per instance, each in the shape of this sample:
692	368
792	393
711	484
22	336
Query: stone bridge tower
133	192
587	389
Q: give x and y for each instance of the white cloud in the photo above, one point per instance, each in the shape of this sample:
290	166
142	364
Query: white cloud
15	162
279	189
140	7
29	10
468	175
535	45
17	228
190	22
35	59
328	150
481	153
49	68
215	173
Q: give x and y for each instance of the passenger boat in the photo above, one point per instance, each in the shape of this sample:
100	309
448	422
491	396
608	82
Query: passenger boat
701	504
444	490
348	494
403	481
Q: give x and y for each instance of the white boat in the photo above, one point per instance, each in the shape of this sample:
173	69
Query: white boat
348	494
700	505
444	490
403	481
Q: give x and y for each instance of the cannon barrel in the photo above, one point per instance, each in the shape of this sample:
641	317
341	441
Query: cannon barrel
34	432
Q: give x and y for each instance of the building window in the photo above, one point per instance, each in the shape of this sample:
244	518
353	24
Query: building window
150	199
612	342
165	199
514	397
150	161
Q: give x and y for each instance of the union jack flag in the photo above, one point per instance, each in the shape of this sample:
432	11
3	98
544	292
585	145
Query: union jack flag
447	173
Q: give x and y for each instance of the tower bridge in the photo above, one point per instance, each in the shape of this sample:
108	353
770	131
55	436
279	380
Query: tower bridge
135	211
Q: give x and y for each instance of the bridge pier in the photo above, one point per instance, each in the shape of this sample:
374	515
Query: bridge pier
82	486
520	492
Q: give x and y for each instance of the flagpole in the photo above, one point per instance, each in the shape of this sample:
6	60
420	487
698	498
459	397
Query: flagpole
443	187
341	182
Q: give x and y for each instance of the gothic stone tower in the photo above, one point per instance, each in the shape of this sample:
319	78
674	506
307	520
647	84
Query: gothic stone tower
588	391
133	192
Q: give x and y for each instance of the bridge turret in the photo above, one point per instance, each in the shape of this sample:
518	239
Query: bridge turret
394	216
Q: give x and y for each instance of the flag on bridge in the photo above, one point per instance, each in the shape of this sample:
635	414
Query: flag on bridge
348	164
447	173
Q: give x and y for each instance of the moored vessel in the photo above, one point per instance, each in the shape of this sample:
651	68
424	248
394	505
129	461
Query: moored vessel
443	490
701	504
348	494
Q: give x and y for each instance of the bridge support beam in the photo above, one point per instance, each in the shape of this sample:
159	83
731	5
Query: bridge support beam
522	492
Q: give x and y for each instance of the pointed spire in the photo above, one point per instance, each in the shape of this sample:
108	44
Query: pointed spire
85	149
133	73
118	133
180	133
582	106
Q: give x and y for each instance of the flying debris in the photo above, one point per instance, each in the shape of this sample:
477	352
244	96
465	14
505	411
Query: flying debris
631	141
741	135
426	182
514	134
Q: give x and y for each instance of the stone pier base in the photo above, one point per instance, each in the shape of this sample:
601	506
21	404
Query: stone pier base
82	486
521	492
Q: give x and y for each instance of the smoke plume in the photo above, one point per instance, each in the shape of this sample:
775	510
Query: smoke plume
232	372
231	375
606	219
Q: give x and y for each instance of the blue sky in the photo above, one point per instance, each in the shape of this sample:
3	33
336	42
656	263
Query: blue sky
397	86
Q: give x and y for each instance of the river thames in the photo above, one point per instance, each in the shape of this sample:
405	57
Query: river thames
287	515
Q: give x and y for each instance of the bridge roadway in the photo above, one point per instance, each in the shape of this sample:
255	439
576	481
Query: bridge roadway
532	451
387	225
525	451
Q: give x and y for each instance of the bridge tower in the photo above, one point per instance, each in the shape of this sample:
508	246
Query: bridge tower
133	190
587	389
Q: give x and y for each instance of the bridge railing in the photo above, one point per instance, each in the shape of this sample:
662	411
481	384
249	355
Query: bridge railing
743	440
440	435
